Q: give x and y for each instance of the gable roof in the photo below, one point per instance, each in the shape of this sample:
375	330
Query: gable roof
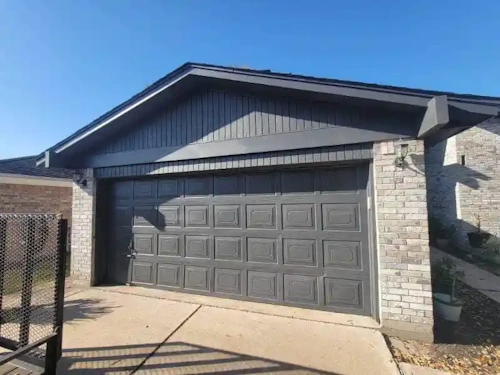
26	166
192	74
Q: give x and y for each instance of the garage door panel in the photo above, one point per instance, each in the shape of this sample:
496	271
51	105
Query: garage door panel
262	285
169	188
228	281
197	278
197	216
121	216
294	237
198	186
297	183
262	250
170	216
170	275
227	185
261	216
145	215
227	216
342	254
228	248
340	217
261	183
344	293
299	252
142	273
300	289
170	245
197	246
143	244
122	190
145	189
339	180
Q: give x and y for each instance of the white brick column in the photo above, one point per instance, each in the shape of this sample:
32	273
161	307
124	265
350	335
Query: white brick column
82	229
403	241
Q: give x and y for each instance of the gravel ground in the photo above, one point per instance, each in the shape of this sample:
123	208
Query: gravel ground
471	346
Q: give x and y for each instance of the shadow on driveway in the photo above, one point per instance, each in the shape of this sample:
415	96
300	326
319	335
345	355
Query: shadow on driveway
171	358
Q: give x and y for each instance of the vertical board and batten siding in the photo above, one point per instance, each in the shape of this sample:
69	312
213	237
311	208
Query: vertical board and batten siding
362	151
211	116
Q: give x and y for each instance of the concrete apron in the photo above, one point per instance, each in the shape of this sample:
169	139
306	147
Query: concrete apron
116	330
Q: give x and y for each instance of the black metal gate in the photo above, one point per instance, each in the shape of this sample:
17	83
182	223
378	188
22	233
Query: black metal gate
32	270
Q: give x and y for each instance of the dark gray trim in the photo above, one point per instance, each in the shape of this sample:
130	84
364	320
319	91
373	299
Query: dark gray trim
193	75
436	116
362	151
308	86
277	142
478	109
372	241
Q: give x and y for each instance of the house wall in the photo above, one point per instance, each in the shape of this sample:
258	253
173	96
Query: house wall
83	230
24	198
458	192
403	241
216	115
479	187
362	151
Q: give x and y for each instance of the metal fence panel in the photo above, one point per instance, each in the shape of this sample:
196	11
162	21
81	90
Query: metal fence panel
31	286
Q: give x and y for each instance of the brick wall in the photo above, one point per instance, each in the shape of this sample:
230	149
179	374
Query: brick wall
17	198
457	192
403	241
82	234
479	187
443	171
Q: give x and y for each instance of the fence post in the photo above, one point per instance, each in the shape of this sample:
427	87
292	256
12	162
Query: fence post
3	252
27	286
54	346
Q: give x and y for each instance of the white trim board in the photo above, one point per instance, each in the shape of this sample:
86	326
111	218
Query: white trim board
19	179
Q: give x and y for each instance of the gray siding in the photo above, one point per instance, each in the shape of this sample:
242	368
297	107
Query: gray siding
317	155
211	116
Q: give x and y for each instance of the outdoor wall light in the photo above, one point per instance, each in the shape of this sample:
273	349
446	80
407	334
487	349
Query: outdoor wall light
402	153
79	179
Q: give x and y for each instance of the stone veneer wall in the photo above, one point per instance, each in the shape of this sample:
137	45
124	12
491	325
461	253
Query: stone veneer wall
457	192
83	229
403	241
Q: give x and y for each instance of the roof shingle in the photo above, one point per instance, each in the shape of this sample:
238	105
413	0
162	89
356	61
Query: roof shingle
26	166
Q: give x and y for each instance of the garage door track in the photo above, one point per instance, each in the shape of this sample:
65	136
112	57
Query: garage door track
125	331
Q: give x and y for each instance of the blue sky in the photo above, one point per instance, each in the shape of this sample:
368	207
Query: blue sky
63	63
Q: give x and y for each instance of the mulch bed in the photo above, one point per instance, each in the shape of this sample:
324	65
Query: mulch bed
471	346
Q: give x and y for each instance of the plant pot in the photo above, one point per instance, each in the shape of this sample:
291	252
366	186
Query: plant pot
477	239
446	308
443	243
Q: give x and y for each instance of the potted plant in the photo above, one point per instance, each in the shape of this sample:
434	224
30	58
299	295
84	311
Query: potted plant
478	238
446	304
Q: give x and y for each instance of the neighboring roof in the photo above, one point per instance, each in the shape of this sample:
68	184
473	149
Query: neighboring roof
26	166
382	93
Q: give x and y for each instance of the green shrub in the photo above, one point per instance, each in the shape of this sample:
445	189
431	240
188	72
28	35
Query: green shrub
493	244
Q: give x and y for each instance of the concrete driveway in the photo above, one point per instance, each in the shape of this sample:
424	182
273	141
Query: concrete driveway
127	330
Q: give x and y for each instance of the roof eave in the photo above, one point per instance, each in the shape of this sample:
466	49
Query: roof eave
424	101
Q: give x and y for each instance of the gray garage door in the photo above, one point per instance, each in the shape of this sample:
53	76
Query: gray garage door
293	237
